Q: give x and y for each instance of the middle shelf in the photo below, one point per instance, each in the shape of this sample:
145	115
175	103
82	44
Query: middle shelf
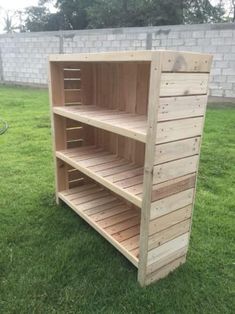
116	173
120	122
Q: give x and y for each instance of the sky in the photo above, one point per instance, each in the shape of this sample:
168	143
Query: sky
15	5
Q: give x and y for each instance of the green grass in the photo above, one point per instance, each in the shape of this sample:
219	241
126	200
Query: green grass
53	262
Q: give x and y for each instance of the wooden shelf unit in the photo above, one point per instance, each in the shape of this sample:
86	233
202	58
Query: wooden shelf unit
127	130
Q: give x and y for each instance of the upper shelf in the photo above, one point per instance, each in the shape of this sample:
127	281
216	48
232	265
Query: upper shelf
172	61
130	125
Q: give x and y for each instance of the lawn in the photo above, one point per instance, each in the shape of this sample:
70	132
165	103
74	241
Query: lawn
53	262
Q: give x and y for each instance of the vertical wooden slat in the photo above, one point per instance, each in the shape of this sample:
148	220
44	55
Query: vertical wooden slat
56	95
153	101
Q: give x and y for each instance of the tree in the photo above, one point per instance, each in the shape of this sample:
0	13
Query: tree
82	14
36	18
202	11
8	19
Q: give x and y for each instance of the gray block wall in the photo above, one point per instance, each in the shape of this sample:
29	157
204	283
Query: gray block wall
23	57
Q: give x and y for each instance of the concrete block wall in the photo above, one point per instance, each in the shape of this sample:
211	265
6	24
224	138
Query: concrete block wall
23	57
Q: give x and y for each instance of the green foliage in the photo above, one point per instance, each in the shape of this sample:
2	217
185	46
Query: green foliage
82	14
51	261
202	11
116	13
36	18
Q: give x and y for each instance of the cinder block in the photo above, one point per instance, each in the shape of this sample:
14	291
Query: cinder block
212	34
115	43
111	37
231	79
230	93
177	42
229	56
174	35
226	33
198	34
142	36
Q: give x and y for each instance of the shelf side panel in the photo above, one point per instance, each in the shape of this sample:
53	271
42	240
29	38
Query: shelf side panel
177	148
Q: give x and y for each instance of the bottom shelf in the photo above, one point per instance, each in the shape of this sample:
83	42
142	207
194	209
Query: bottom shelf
116	221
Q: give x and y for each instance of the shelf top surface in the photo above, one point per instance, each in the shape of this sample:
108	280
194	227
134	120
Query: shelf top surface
115	56
116	173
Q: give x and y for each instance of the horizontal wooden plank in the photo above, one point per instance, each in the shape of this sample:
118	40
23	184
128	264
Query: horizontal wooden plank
170	219
171	203
177	259
72	72
72	84
179	84
103	56
161	252
171	108
178	129
74	134
73	175
174	169
72	96
168	234
173	186
144	55
173	61
176	150
127	233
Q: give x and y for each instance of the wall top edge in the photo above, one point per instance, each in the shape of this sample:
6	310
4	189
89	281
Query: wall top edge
151	29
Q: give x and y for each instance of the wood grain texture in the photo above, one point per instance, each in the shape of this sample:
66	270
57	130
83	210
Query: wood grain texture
171	203
186	62
153	101
176	150
178	129
172	108
174	169
177	84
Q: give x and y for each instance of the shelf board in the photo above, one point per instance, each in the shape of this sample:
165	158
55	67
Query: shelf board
112	218
130	125
115	173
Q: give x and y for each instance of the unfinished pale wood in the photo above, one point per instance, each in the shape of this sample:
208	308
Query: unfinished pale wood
178	258
131	121
108	169
171	203
186	62
176	84
173	61
171	218
168	234
174	169
173	186
176	150
170	131
99	119
94	199
172	108
167	248
154	91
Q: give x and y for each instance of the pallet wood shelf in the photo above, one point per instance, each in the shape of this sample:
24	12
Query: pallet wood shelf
111	217
130	125
127	130
113	172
